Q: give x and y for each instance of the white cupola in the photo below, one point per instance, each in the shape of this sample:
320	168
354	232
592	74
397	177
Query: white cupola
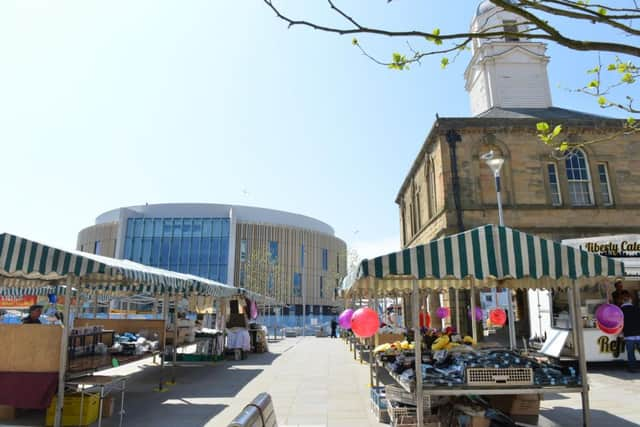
505	72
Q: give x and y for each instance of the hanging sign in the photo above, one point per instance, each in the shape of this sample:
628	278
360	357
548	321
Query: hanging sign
24	301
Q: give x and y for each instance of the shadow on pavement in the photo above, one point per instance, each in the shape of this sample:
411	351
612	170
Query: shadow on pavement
567	417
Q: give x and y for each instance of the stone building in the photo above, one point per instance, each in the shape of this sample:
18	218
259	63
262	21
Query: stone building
449	188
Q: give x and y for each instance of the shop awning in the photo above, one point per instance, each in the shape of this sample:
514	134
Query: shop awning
487	256
29	266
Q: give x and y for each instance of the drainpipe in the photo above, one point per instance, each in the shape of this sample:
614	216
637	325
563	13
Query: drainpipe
453	137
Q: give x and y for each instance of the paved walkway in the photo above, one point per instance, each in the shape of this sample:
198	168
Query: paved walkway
316	382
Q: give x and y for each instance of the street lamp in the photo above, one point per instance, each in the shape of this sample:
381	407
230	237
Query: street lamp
495	164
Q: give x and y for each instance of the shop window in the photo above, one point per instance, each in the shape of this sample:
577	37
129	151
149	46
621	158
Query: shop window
605	186
579	179
556	197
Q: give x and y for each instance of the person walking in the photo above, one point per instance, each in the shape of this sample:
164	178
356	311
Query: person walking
334	326
631	329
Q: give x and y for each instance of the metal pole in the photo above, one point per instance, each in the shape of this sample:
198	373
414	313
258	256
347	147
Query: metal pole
458	328
304	294
512	320
582	361
165	314
572	315
474	323
418	352
95	306
64	344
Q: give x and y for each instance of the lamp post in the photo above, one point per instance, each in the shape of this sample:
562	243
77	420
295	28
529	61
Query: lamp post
495	164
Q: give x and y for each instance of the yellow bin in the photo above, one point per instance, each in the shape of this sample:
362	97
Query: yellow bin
71	410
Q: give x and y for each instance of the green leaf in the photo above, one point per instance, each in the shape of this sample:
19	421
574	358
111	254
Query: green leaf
602	11
628	78
557	130
354	41
631	121
444	62
602	101
542	127
612	67
564	146
593	83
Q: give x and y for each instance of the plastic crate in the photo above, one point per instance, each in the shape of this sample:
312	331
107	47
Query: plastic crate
381	414
398	394
402	416
71	410
378	397
499	376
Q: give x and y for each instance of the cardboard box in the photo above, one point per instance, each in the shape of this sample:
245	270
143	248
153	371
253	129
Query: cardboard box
7	412
520	404
108	404
387	338
480	422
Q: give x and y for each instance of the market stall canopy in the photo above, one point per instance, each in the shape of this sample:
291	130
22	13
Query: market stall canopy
28	267
487	256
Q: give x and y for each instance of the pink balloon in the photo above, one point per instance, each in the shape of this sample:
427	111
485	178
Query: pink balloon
442	312
479	315
365	322
610	316
344	320
610	331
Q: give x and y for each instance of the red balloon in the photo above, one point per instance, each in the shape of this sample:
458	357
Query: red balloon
610	331
498	316
365	322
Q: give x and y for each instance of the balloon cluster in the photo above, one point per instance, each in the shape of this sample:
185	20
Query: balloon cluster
609	319
363	322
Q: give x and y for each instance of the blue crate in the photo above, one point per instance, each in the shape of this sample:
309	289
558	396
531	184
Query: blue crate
379	397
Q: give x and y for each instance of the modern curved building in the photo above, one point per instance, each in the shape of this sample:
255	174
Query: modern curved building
272	252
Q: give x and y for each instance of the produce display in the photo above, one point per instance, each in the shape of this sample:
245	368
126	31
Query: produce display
442	367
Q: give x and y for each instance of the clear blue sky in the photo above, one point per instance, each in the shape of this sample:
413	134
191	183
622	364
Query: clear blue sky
107	104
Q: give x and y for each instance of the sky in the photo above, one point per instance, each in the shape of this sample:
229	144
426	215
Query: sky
110	104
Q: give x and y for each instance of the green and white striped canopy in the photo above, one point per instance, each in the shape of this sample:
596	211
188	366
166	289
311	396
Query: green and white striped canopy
487	256
28	267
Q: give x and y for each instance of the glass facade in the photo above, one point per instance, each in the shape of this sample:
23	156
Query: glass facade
325	259
198	246
297	284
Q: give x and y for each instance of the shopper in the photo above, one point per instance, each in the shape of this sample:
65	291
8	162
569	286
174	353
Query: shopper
631	329
34	315
616	296
334	327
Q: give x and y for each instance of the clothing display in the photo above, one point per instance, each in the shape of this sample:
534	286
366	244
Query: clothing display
238	338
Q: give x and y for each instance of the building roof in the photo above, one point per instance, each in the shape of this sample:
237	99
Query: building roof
242	214
551	113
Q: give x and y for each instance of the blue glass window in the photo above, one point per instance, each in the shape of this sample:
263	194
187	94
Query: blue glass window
97	247
301	255
190	245
325	259
321	287
297	284
578	179
273	250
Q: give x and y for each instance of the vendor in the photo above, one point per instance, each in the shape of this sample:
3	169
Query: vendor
616	296
34	315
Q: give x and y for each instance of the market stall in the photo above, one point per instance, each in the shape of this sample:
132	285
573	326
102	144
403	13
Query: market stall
31	268
485	257
549	310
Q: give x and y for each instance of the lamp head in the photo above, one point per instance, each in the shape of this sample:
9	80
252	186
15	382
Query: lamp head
494	162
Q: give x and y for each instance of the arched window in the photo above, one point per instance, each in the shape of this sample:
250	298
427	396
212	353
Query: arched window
579	179
431	189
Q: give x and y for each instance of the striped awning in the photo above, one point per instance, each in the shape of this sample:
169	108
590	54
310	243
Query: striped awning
487	256
30	267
